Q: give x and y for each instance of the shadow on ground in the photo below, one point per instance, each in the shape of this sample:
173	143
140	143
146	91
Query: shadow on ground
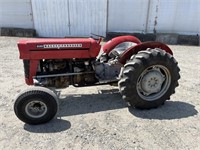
171	110
79	104
55	125
111	100
91	103
108	100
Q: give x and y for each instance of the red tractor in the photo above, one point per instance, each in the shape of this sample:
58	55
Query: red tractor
147	73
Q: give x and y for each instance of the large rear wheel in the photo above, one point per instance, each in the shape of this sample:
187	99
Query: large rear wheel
149	78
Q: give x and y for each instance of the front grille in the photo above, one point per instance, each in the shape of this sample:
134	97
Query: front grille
26	68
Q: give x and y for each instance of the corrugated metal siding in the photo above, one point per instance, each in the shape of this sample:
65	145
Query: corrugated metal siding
170	16
88	16
53	18
127	15
154	16
59	18
16	13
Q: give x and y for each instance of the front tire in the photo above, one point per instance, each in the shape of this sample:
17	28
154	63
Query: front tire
149	79
36	105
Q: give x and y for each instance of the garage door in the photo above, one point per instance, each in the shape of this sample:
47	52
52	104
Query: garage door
61	18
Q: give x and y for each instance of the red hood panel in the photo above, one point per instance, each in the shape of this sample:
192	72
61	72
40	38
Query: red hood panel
66	43
48	48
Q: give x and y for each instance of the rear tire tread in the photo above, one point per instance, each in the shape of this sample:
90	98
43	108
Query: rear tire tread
130	74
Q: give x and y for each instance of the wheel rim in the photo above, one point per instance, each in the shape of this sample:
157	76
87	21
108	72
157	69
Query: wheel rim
36	109
153	83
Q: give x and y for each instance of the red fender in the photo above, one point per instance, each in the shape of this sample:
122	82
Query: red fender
142	46
110	45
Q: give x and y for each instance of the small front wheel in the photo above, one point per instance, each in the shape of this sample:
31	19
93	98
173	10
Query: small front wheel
36	105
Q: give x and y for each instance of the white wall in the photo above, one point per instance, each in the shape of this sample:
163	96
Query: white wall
174	16
127	15
16	13
88	16
81	17
160	16
60	18
47	21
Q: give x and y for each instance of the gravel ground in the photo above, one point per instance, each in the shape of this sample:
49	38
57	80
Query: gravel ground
97	118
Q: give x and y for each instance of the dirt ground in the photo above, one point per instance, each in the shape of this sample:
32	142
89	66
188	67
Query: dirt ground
97	117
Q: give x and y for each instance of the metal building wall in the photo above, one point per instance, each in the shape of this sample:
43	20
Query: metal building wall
60	18
47	21
174	16
16	13
127	15
154	16
88	16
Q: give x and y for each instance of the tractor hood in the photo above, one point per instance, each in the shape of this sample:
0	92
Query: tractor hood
27	46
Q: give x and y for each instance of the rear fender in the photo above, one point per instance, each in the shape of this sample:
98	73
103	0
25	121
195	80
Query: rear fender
110	45
143	46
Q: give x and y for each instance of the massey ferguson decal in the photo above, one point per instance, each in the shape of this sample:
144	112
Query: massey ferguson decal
59	46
